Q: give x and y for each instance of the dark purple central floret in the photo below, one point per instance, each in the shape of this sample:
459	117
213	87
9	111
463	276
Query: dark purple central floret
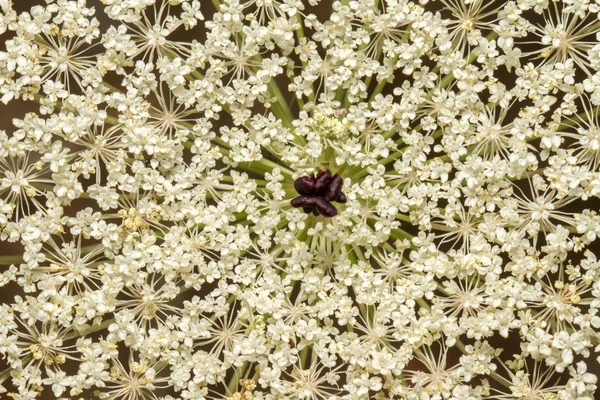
317	193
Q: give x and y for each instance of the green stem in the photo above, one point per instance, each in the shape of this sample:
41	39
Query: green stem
381	85
303	356
403	217
400	234
8	260
261	166
299	36
94	328
239	372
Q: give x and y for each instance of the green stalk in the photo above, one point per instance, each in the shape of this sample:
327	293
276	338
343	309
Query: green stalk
4	373
303	356
261	166
300	103
239	372
358	173
300	35
8	260
403	217
264	164
352	256
381	85
94	328
400	234
280	108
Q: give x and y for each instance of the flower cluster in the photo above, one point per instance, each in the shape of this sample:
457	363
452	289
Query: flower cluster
167	224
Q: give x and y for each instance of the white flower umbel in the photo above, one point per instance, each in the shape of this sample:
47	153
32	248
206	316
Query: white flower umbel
299	199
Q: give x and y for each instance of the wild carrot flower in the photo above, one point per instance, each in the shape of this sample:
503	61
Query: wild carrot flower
299	199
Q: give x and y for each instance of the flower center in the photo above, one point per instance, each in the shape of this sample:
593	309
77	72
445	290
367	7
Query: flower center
317	193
